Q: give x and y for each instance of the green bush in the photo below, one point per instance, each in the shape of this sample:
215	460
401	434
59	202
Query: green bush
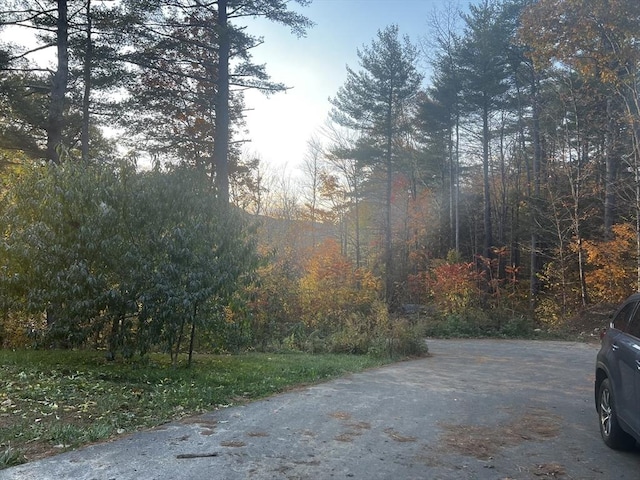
518	326
454	325
374	334
408	339
480	323
119	259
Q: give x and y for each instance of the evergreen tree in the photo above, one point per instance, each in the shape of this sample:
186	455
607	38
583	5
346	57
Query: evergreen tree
191	63
376	101
82	45
438	119
485	82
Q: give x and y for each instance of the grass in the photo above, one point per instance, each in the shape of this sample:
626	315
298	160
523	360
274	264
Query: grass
51	401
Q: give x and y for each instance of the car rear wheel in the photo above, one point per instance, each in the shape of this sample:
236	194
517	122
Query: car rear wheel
610	429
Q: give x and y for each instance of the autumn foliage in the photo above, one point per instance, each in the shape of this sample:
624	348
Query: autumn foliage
273	300
612	268
454	287
332	289
323	303
340	304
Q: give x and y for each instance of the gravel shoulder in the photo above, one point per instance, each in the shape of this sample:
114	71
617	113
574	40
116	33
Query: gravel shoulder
473	409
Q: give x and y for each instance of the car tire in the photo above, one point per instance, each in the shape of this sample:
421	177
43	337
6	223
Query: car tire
610	430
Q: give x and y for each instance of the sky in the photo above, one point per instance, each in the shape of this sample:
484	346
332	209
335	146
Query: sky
314	67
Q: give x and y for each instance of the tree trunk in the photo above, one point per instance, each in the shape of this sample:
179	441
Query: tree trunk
114	338
584	294
193	334
537	158
356	194
576	188
610	175
174	358
631	98
86	98
452	152
221	135
457	184
488	237
55	122
637	225
388	253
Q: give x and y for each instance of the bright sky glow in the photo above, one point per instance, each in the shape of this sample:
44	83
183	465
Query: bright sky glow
314	67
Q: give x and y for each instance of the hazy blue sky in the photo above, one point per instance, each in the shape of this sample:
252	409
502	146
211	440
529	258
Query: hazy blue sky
314	68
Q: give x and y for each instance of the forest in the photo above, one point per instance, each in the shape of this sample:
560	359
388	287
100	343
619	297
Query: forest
499	194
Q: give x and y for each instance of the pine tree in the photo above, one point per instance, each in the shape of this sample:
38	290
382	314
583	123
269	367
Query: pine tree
375	101
484	79
192	61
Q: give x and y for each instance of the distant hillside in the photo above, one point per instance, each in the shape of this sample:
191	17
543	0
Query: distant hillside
297	235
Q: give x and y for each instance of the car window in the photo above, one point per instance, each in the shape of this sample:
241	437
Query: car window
621	320
634	324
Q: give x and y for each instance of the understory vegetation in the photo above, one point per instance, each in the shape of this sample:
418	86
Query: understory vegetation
130	263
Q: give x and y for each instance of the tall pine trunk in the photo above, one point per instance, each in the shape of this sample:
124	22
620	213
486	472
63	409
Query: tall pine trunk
388	252
486	137
55	121
86	97
221	134
537	159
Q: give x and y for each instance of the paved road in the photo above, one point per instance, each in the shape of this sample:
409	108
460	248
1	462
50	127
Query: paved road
475	409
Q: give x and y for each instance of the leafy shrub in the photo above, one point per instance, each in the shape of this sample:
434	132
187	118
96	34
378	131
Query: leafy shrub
333	292
454	287
273	302
325	305
455	325
19	331
358	332
380	336
404	339
518	326
117	258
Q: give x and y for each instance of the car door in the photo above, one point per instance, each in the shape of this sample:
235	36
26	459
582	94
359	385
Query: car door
627	351
616	356
631	345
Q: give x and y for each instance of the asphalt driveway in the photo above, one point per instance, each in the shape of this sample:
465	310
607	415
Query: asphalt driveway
474	409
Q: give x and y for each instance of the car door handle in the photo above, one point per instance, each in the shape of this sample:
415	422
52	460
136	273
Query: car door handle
638	365
615	346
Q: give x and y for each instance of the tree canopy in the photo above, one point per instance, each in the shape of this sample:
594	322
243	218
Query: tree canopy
504	184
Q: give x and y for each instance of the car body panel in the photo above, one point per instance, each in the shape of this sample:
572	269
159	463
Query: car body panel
628	356
619	360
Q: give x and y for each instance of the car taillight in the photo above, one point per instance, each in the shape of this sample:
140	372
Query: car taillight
603	331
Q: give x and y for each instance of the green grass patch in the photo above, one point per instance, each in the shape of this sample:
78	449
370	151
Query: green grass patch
51	401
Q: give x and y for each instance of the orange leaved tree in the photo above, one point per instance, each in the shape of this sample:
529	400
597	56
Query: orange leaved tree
454	287
611	264
340	303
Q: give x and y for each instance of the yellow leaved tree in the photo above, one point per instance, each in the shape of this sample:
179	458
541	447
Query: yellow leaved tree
340	304
612	267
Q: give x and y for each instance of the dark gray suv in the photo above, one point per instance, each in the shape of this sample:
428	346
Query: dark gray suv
617	386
